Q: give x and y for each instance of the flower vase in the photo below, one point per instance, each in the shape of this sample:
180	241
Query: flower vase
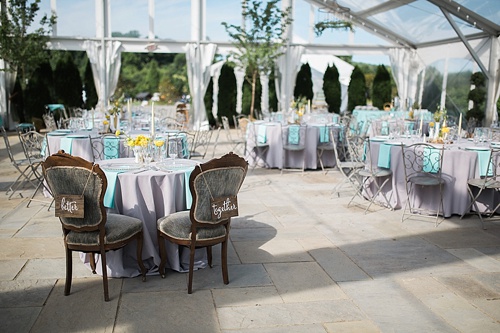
114	123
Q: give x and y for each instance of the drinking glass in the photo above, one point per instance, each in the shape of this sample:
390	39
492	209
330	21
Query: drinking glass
172	149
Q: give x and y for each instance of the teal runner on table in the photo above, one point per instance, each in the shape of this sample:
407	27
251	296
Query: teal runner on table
109	196
66	144
384	156
262	134
485	167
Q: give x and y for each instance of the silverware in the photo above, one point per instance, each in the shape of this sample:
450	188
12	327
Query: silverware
139	171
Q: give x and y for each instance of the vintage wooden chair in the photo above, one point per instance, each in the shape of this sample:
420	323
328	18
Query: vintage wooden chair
197	228
97	231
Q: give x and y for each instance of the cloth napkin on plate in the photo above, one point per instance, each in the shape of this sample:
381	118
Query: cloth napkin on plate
323	134
262	134
484	159
384	156
66	144
294	134
109	196
111	147
431	160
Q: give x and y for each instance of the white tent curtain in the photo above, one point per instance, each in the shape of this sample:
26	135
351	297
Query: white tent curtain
7	82
406	66
264	98
239	73
105	86
288	66
199	59
215	74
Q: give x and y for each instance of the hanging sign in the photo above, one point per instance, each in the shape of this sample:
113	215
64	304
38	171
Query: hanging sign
68	205
224	208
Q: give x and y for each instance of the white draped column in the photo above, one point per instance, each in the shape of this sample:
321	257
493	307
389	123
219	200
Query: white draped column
264	97
406	66
239	73
215	74
288	66
199	60
7	82
105	65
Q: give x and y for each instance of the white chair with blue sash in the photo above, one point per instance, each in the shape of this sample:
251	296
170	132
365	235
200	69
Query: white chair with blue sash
423	165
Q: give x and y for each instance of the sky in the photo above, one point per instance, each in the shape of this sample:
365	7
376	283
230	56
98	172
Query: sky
172	21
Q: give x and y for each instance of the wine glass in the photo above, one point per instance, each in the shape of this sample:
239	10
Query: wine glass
172	149
148	155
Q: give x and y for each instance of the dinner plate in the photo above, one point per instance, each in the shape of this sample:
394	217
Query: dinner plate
495	143
379	138
56	134
120	167
477	148
393	143
66	131
77	136
176	165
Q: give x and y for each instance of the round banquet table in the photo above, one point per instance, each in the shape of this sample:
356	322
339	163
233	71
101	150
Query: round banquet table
460	163
148	195
274	156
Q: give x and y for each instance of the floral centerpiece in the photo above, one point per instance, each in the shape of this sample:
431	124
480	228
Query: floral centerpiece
438	131
113	114
299	106
138	144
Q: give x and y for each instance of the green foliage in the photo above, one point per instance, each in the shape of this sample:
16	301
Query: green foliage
209	101
332	89
273	99
89	87
331	24
38	91
477	96
153	77
130	34
67	82
226	101
260	42
357	89
23	51
303	83
381	91
432	89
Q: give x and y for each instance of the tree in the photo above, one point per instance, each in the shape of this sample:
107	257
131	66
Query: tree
303	83
259	43
38	91
153	76
477	96
226	101
89	87
67	82
23	51
381	87
332	89
357	89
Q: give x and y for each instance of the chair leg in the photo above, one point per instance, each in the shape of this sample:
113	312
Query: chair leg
69	272
191	268
163	255
139	256
225	275
104	275
209	256
92	263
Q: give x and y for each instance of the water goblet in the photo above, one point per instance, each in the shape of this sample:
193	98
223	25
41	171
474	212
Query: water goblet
172	150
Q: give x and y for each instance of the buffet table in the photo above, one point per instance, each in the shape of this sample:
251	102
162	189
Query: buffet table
270	133
147	194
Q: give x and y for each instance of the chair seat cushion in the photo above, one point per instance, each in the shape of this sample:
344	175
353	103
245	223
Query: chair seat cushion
426	180
375	173
118	228
293	147
482	183
178	226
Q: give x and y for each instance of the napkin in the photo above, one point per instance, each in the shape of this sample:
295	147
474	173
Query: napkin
109	196
111	147
323	134
294	134
485	166
431	160
384	156
261	134
66	144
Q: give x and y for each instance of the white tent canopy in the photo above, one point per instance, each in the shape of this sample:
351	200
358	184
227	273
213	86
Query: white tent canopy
427	30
